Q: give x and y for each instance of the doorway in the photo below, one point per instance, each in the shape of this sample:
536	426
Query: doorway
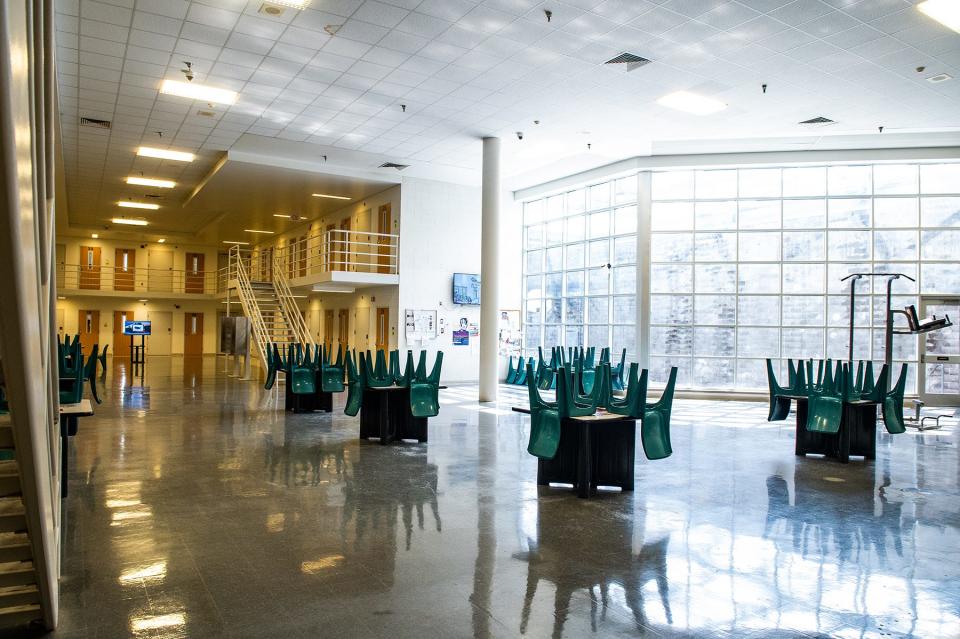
193	282
160	273
88	327
192	334
124	274
383	240
939	379
328	329
90	267
160	339
121	342
343	323
383	328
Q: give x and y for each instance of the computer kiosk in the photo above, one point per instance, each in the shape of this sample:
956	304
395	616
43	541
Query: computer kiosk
135	328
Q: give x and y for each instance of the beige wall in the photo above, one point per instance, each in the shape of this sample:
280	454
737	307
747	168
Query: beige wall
363	306
71	306
71	252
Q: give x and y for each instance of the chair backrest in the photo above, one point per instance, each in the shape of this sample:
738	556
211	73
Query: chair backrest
421	370
533	392
435	373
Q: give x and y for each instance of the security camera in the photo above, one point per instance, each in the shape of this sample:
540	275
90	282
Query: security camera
519	135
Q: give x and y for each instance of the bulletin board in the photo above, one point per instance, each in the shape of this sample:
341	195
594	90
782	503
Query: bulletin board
420	324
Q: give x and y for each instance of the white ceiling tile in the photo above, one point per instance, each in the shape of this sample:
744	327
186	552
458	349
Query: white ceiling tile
233	71
867	10
204	34
422	25
212	16
304	38
280	66
170	8
829	24
90	9
386	57
786	40
195	49
852	37
103	30
240	58
462	37
313	73
801	11
68	7
249	43
347	48
451	10
156	23
362	31
486	20
405	42
291	53
331	61
106	47
370	70
379	13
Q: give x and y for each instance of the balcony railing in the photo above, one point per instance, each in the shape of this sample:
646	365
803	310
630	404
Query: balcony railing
330	251
141	280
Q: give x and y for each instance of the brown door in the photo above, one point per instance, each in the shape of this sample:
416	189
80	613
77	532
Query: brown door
124	270
193	283
192	334
121	342
383	328
344	326
328	332
88	327
383	250
90	267
345	245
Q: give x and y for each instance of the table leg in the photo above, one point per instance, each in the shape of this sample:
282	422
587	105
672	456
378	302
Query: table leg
585	462
383	410
799	447
847	423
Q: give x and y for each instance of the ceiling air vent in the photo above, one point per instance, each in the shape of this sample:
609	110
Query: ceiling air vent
393	165
817	122
95	123
632	61
271	9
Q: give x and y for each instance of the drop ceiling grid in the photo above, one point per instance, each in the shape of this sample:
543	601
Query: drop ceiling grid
463	68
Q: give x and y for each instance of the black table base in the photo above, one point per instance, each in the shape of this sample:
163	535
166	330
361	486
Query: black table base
592	453
385	414
319	400
857	435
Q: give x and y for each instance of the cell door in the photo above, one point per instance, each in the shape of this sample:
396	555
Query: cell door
192	334
383	328
193	281
88	327
328	332
121	342
344	326
939	379
90	267
124	270
383	242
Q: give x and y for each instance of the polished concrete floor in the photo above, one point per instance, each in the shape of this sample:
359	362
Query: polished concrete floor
197	508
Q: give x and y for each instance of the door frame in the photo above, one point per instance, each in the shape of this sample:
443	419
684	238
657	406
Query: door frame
935	399
383	329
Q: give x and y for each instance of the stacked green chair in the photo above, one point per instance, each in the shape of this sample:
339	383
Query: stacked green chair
103	361
545	373
404	379
71	374
520	378
893	405
303	374
655	426
587	370
355	384
544	420
824	403
569	401
375	376
425	391
90	373
511	371
274	362
634	404
617	372
874	391
779	395
331	373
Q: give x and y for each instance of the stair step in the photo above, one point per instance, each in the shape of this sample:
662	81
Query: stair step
17	573
19	615
14	547
9	478
12	515
19	596
6	431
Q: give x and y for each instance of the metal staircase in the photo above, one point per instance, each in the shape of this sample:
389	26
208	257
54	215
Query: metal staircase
19	594
270	306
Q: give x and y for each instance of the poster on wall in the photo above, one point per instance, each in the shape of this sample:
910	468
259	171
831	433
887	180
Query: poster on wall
420	324
510	335
461	336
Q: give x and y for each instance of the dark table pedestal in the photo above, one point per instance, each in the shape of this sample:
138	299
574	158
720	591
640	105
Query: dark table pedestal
385	414
857	434
594	451
319	400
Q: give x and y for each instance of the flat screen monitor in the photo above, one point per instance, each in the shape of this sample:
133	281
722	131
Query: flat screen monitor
466	288
136	327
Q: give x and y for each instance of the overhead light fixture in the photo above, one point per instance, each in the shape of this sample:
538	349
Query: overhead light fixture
160	184
234	242
129	221
691	103
282	215
95	236
256	231
61	297
161	240
330	197
198	92
144	300
138	205
293	4
165	154
946	12
942	77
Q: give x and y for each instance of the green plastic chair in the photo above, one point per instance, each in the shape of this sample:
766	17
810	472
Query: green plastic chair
71	378
825	405
378	377
655	427
355	384
90	373
779	402
567	396
617	372
409	371
511	371
103	361
893	405
331	374
544	420
875	391
303	376
421	370
425	393
634	403
273	360
521	377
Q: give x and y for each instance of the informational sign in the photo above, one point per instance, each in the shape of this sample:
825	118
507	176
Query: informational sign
136	327
461	337
420	324
510	335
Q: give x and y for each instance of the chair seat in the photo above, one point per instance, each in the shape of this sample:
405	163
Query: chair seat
331	380
824	414
303	382
544	433
424	400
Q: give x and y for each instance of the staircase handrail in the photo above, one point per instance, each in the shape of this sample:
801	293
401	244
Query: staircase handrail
287	304
249	305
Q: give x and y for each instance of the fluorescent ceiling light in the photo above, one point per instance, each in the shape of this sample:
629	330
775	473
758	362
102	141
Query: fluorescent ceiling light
138	205
129	222
234	242
161	240
296	4
198	92
165	154
160	184
256	231
95	236
330	197
691	103
946	12
281	215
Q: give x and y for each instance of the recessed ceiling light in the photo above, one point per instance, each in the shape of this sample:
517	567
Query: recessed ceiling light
332	28
234	242
282	215
61	297
129	222
296	4
165	154
946	12
142	181
138	205
143	300
691	103
161	240
196	91
95	236
941	77
256	231
330	197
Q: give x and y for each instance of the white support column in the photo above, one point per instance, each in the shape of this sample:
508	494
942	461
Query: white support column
489	272
644	208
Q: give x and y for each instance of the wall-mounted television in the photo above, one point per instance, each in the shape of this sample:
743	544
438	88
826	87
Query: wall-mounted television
466	288
136	327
